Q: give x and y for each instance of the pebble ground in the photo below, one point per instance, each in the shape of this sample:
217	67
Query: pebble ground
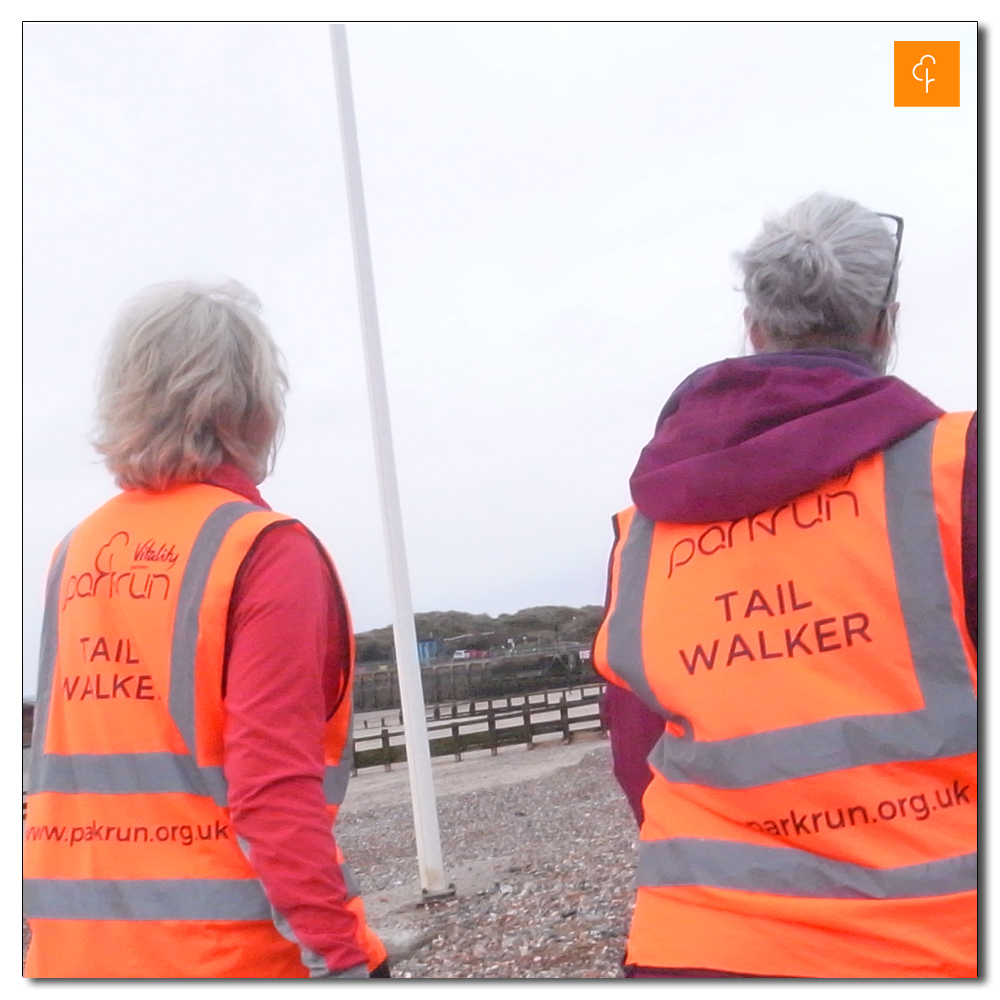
545	877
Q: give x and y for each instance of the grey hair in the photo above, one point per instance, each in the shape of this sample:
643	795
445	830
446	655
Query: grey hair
818	275
190	377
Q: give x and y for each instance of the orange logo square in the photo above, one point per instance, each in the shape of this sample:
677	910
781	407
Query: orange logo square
925	75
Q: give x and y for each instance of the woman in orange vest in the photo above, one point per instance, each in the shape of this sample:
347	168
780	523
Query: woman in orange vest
791	639
192	725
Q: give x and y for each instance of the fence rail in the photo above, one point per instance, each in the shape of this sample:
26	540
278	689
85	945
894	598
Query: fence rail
503	722
477	706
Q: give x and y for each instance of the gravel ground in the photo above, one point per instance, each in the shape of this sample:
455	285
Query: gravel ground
543	869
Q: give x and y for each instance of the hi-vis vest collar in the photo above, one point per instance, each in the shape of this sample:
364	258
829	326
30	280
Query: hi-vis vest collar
944	727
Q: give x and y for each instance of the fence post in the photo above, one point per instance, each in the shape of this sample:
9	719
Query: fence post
564	719
491	722
386	750
458	742
354	761
527	724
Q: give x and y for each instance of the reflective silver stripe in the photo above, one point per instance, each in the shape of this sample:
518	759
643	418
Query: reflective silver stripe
335	779
786	871
128	774
337	776
46	664
184	646
945	727
799	751
625	623
312	960
136	773
350	881
922	583
145	899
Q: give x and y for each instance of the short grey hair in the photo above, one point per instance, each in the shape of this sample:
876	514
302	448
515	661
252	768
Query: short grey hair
190	378
818	275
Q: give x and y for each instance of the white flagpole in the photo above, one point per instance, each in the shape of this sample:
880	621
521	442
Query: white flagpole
425	819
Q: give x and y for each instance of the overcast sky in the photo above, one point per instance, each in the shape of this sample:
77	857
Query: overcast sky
553	209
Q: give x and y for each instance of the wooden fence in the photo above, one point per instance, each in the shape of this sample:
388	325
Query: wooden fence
488	725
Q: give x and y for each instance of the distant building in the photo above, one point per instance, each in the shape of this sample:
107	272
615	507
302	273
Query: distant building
429	650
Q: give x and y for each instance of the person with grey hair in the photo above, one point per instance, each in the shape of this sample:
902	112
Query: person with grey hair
790	639
192	733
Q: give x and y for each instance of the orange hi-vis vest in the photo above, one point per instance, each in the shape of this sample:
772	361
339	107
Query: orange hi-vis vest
812	810
132	868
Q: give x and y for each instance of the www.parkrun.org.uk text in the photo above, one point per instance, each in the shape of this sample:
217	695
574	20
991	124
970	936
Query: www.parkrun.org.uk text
179	833
919	806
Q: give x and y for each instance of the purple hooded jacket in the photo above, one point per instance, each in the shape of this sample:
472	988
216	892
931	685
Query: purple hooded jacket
745	434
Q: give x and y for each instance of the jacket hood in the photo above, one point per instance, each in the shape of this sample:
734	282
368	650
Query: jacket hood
745	434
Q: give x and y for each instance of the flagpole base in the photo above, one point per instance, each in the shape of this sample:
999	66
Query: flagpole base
433	895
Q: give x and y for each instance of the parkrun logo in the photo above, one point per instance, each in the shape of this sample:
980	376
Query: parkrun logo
139	572
925	75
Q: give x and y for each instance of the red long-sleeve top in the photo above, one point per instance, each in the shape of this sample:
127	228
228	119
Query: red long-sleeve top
287	662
